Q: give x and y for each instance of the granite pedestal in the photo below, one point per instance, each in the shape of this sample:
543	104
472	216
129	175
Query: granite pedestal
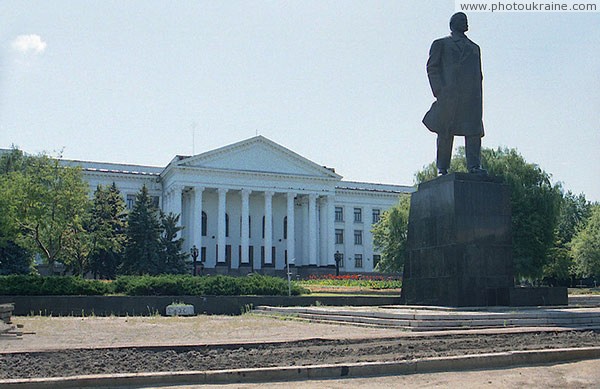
459	243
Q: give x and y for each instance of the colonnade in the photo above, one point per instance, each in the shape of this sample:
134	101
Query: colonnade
318	227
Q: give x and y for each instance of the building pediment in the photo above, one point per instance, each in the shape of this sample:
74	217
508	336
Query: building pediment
258	155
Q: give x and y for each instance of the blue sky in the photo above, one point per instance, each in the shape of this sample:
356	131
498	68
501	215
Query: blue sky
342	83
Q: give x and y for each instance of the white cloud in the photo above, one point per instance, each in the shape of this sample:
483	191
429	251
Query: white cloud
32	43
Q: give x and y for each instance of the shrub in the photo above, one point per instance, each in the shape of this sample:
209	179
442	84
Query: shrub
32	285
218	285
162	285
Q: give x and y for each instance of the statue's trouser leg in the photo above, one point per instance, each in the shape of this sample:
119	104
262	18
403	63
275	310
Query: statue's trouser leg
473	151
444	151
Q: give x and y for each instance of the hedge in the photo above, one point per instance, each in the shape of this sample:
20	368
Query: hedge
30	285
163	285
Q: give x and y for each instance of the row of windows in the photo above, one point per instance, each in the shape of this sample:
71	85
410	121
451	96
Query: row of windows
339	236
339	215
358	260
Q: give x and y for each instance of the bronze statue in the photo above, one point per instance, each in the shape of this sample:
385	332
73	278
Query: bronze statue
454	72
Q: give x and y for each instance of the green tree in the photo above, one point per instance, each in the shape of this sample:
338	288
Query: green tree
46	199
108	223
40	203
78	245
585	246
574	212
15	259
173	260
143	249
389	236
535	203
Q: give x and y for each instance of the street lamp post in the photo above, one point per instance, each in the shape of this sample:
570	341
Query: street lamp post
194	252
338	258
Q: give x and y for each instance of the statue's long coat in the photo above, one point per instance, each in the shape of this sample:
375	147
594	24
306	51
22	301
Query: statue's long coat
454	72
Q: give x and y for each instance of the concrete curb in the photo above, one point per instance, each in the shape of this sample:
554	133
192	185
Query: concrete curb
274	374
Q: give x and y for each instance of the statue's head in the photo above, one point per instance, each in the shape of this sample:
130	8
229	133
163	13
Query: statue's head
458	22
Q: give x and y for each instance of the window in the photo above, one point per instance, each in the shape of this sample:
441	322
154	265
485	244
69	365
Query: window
263	230
155	201
358	261
204	223
130	201
285	227
339	236
376	259
227	225
357	215
376	215
228	253
339	214
357	237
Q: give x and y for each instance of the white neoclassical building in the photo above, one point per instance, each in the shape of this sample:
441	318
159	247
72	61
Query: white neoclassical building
253	205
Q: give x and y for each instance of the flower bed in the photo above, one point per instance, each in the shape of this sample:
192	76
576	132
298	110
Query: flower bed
354	280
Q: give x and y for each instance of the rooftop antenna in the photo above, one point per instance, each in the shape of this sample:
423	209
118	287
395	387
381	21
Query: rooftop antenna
194	125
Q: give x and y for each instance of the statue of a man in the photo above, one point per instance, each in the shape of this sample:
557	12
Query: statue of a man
454	72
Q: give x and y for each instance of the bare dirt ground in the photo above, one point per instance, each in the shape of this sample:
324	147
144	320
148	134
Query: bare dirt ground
70	346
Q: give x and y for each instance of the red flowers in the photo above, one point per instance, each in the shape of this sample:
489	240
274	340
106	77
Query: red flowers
351	277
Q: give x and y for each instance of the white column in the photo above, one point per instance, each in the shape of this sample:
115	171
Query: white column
177	200
168	200
312	229
305	230
268	242
196	223
291	231
221	239
323	229
164	201
245	226
330	230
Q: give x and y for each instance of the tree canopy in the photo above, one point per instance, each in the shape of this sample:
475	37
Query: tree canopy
108	223
586	246
143	247
47	201
389	236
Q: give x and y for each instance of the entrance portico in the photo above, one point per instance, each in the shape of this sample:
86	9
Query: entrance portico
255	228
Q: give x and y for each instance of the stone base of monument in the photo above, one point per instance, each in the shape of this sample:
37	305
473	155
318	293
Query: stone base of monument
459	248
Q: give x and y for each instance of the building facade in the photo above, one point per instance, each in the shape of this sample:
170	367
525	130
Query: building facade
254	206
